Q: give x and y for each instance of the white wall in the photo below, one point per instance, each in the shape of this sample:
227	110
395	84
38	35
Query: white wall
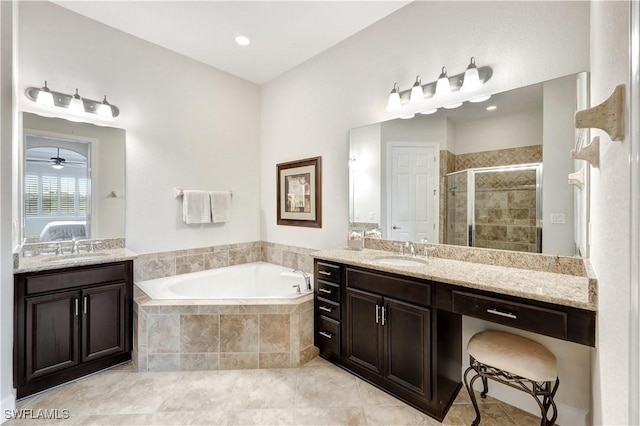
188	125
309	110
514	130
610	218
557	196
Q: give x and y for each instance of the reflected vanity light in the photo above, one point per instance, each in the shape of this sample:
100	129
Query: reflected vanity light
453	106
480	99
471	80
491	108
74	104
408	117
429	111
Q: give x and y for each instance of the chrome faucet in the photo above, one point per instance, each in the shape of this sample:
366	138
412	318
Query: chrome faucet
307	279
412	250
76	247
426	246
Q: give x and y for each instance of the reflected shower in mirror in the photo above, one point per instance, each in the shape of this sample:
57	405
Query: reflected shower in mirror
456	176
73	180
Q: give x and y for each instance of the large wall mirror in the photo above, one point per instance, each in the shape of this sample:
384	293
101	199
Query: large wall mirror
73	180
488	174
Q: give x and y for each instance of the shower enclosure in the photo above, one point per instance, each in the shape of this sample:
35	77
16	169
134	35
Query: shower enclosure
495	207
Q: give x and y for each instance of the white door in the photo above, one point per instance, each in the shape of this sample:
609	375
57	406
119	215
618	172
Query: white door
413	195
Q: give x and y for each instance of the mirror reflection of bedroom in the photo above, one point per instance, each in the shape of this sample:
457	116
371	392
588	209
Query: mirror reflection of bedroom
57	188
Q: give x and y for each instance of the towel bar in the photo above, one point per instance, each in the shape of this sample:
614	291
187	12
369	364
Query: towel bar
179	192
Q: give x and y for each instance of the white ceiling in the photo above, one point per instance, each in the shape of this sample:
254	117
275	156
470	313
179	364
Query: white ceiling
283	33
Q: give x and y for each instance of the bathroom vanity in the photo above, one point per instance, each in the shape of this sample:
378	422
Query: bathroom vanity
72	317
400	327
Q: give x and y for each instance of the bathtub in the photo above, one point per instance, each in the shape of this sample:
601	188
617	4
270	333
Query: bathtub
245	316
249	281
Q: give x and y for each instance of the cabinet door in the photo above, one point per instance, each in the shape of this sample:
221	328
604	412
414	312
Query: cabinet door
407	347
51	333
364	341
103	321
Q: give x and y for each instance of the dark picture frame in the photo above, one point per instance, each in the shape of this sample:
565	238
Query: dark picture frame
299	201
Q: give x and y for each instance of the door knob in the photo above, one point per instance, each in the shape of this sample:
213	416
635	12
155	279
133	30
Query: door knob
395	227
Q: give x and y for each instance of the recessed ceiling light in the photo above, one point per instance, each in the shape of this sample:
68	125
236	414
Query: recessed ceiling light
243	41
491	108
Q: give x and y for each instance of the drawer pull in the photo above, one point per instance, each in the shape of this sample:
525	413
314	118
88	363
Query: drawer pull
324	290
84	305
76	302
502	314
325	334
384	314
324	273
377	314
324	308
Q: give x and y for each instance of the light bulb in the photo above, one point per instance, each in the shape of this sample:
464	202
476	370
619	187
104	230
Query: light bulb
453	106
45	97
471	81
408	117
104	109
442	85
57	165
76	106
417	94
429	111
394	99
480	99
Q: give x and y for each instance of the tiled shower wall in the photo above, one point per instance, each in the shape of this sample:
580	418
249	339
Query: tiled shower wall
511	235
165	264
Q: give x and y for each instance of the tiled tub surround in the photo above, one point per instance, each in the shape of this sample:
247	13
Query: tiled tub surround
567	289
221	335
149	266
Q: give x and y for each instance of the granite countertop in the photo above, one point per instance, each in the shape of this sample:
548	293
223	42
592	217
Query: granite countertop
49	262
560	289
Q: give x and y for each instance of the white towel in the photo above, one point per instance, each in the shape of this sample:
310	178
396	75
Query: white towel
220	206
196	207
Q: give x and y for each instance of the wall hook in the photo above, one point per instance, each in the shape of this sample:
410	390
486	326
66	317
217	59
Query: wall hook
607	116
590	153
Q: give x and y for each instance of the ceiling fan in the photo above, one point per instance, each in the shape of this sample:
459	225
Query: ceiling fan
57	162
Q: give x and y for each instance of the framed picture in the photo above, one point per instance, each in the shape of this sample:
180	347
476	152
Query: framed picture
300	193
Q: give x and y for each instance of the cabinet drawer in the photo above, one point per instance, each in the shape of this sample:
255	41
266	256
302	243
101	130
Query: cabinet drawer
328	272
418	292
328	308
526	317
328	335
56	280
329	291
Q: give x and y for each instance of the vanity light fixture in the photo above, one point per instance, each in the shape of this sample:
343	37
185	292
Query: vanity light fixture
417	94
394	99
74	104
408	117
44	96
453	106
442	85
471	81
429	111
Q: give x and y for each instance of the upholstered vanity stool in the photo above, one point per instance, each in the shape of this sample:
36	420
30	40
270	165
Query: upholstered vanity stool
517	362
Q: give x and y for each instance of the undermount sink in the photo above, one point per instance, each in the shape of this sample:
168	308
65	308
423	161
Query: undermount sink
76	256
400	261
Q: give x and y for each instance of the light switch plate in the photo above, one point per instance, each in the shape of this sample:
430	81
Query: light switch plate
558	218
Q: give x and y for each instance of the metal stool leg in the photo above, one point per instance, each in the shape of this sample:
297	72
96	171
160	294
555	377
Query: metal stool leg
485	387
469	386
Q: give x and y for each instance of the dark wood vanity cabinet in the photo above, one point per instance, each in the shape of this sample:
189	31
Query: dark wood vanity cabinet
388	334
70	322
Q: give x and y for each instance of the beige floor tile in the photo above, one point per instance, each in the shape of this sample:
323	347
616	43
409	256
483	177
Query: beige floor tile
265	389
348	416
521	417
371	395
200	391
278	416
397	415
326	387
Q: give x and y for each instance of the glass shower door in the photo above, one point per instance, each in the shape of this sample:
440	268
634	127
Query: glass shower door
457	213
